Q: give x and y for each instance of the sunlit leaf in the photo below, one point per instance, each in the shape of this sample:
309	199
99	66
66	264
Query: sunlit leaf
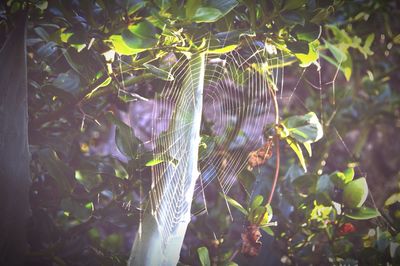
355	193
312	55
258	215
206	14
341	179
154	161
297	149
363	213
392	199
306	128
396	39
236	204
105	83
121	47
257	201
223	50
204	256
307	146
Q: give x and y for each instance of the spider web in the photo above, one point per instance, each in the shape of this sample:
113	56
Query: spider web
237	105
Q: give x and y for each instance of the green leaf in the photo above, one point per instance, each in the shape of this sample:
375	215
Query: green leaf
134	39
324	188
267	230
121	47
105	83
297	149
258	215
223	50
320	15
293	4
366	48
158	72
306	183
307	146
125	138
136	42
341	179
236	204
392	199
306	128
396	39
363	213
257	201
339	55
345	67
136	7
154	161
204	256
349	174
224	6
206	14
57	169
65	35
143	30
312	55
270	212
191	6
324	184
355	193
119	170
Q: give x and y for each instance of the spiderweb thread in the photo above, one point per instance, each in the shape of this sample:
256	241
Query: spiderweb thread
235	100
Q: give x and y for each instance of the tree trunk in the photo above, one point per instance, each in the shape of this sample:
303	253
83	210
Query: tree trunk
163	229
14	152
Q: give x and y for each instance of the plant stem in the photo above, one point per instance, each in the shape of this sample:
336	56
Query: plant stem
276	143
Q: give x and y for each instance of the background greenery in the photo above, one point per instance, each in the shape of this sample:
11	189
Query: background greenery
87	58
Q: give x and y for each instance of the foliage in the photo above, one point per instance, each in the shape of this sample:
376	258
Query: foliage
88	61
